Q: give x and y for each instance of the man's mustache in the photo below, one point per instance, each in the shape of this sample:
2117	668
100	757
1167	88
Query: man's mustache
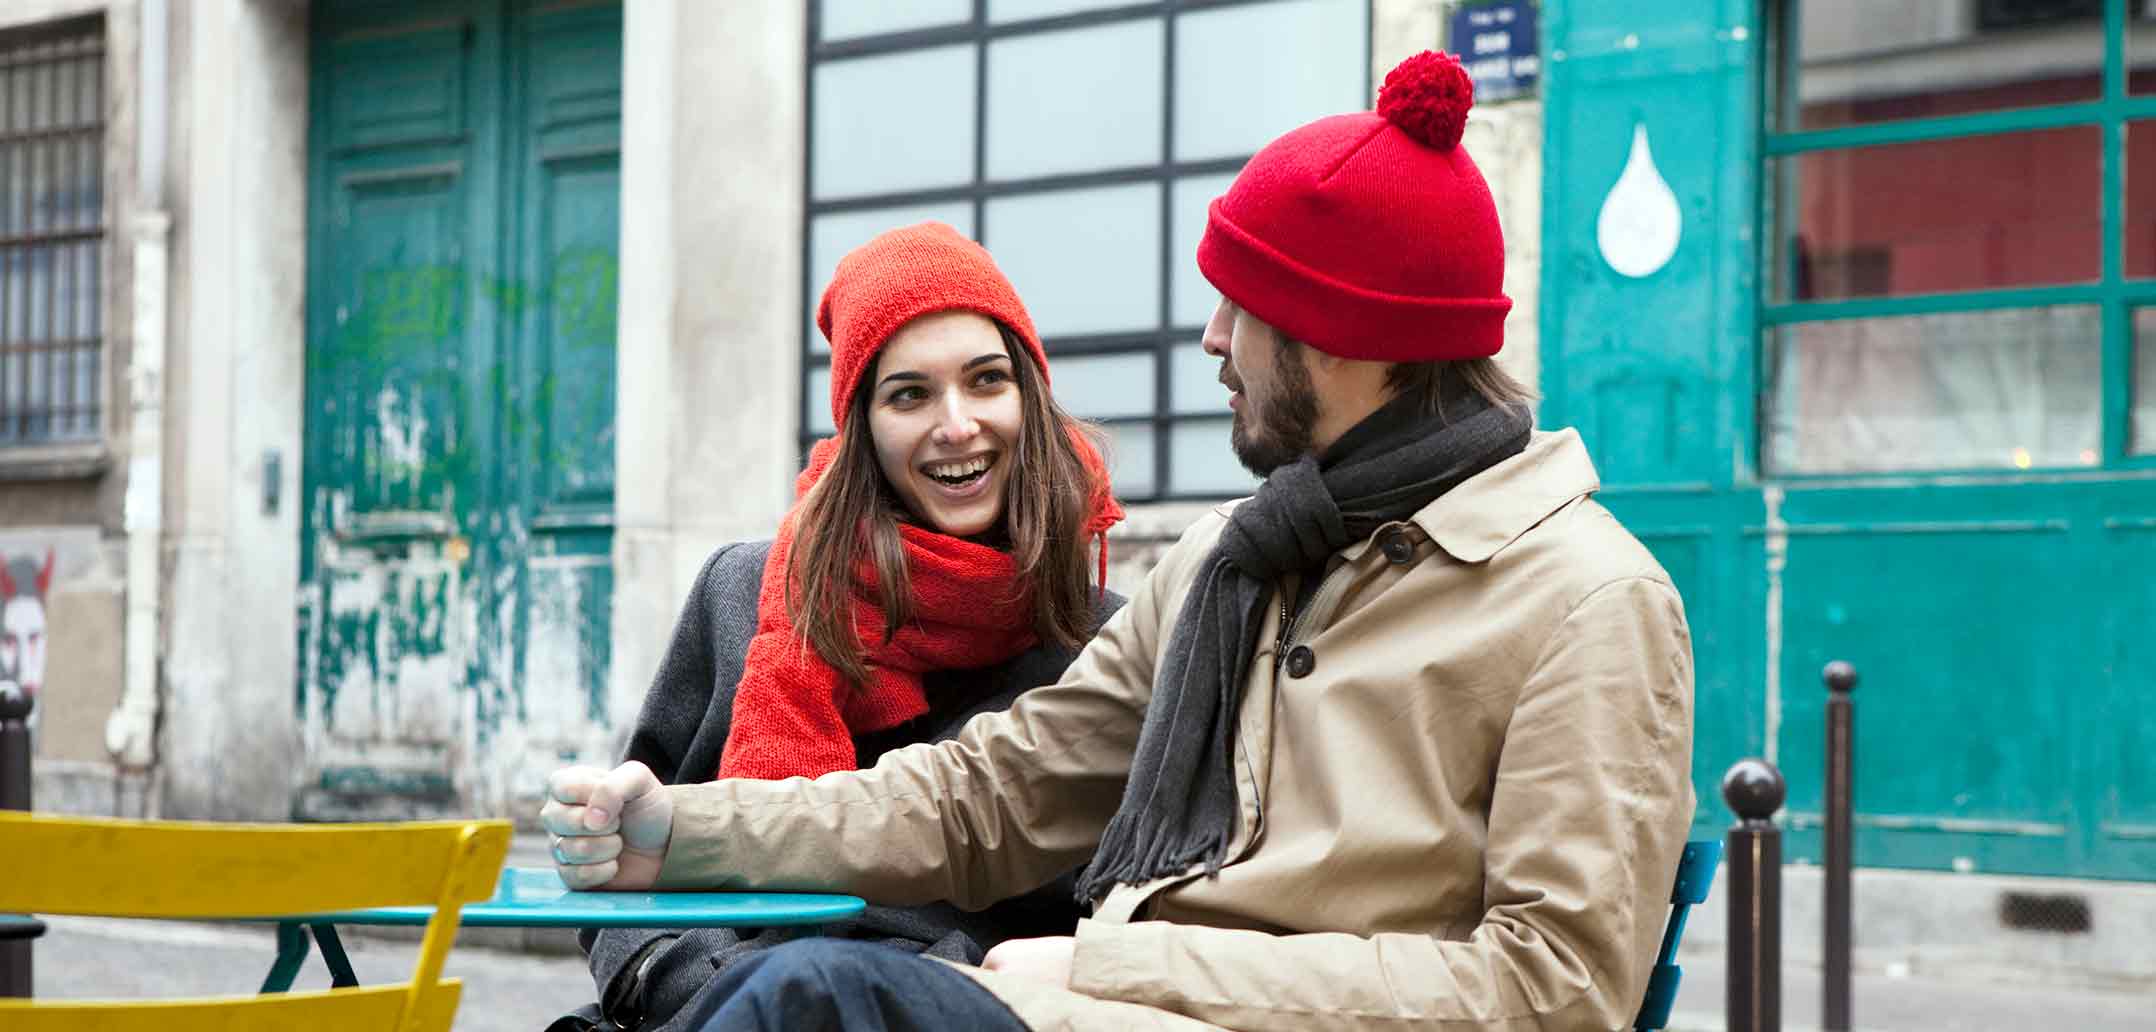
1229	380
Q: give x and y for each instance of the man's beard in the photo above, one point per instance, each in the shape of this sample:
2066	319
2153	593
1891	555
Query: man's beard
1286	424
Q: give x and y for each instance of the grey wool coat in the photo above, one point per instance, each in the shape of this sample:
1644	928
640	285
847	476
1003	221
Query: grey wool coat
680	734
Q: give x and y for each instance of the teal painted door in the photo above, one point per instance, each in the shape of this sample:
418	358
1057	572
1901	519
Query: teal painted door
458	475
2000	621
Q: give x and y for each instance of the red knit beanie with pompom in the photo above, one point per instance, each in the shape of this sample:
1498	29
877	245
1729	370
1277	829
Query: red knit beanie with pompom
1370	235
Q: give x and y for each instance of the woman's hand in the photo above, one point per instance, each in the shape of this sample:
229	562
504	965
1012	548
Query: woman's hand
610	828
1042	960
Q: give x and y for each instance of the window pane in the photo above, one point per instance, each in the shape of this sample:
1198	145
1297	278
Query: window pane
2010	210
2144	381
1197	387
831	236
1865	61
1085	261
1075	101
2140	228
2019	388
819	401
1130	459
902	122
1023	10
2141	52
847	19
1105	386
1229	102
1204	463
1195	297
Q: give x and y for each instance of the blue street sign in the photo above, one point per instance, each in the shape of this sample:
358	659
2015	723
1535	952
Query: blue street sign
1500	47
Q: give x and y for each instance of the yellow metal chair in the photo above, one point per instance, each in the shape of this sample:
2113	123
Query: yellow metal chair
167	869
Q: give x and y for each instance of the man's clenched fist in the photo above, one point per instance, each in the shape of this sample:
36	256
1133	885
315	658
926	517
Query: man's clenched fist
610	828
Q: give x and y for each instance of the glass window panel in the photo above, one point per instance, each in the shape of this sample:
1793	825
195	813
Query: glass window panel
2144	429
848	19
2140	228
831	236
1196	387
1314	64
1980	212
1105	386
2141	52
1130	459
1075	101
1203	462
1864	62
898	122
2010	389
1025	10
819	401
1194	297
1085	261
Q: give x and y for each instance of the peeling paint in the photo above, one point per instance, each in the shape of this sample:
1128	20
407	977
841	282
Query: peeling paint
1777	551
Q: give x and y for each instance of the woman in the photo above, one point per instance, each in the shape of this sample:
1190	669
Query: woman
934	566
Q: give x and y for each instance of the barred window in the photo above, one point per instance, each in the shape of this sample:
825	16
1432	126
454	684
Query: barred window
52	231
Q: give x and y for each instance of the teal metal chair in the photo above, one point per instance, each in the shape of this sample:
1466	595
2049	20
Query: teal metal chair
1695	874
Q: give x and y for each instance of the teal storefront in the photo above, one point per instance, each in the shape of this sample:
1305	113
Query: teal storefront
1864	343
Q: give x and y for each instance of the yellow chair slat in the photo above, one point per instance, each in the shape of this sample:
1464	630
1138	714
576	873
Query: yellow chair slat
368	1009
181	869
121	868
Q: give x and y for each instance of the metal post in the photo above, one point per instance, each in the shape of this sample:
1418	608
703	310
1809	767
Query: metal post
1840	853
1754	790
15	707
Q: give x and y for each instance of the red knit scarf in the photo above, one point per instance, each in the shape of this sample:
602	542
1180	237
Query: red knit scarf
796	716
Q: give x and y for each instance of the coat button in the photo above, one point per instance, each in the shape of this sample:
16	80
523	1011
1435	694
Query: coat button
1397	546
1301	661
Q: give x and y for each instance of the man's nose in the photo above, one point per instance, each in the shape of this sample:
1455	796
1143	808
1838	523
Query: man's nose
1219	330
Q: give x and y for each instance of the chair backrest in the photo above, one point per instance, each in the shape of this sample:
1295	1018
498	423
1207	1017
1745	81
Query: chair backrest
174	869
1695	875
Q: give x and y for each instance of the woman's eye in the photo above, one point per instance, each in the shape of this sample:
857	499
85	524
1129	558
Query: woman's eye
991	377
905	396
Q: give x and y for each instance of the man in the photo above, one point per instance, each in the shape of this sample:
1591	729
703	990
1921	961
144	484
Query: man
1403	740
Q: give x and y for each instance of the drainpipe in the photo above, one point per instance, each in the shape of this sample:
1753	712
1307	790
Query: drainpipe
130	733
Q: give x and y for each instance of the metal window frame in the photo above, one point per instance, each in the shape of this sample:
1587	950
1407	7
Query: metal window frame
2112	113
58	244
1160	341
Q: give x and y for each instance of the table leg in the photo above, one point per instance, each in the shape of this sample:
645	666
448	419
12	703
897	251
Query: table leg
340	966
291	953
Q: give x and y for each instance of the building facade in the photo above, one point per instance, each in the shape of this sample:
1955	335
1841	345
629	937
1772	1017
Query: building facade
375	376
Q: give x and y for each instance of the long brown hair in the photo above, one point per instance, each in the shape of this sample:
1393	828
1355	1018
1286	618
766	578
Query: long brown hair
1048	498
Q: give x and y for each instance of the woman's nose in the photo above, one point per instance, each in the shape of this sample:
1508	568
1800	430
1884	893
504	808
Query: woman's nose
955	423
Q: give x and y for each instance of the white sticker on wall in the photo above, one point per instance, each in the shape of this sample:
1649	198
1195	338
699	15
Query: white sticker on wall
1640	223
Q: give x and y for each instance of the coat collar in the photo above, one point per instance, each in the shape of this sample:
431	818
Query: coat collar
1476	520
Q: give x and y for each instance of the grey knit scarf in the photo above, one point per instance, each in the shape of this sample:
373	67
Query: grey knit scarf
1178	807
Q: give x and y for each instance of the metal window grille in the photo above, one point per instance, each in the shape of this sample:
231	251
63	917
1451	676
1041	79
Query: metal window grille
52	231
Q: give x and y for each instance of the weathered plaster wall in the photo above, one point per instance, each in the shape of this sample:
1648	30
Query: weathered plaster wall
710	323
229	744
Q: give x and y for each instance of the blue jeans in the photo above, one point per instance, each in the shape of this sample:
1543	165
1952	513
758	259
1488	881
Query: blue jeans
815	984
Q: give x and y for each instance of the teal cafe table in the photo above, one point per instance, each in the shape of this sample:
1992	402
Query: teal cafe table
534	897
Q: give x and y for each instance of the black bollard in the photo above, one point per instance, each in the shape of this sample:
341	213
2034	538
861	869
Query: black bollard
1840	843
1754	790
15	707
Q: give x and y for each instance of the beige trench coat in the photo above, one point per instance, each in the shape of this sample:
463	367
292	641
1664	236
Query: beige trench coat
1466	813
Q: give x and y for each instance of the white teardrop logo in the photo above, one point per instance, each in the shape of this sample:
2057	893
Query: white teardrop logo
1640	223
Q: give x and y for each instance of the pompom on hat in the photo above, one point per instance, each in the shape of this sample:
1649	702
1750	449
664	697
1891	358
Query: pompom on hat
1370	235
898	277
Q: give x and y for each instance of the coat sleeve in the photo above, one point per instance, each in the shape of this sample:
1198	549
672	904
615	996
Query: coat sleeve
1591	805
680	696
1017	798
